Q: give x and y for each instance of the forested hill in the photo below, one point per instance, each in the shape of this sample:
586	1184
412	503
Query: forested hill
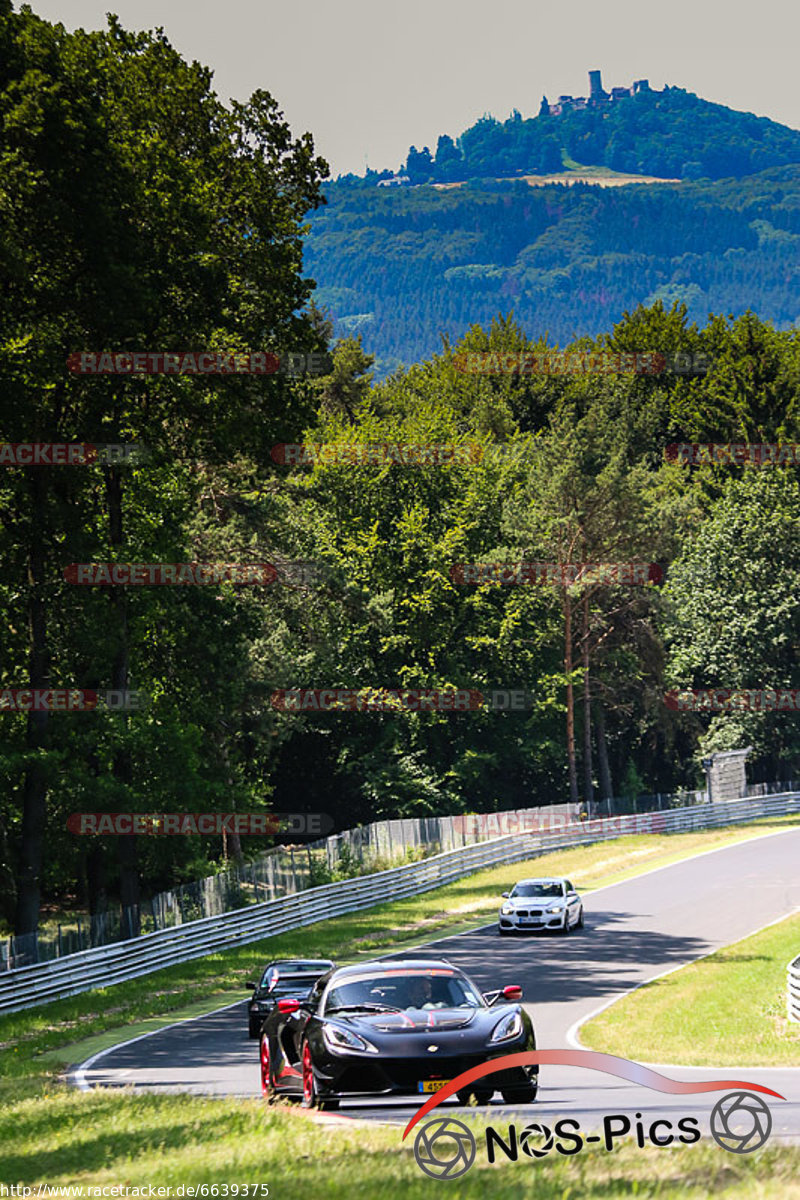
405	263
402	265
672	134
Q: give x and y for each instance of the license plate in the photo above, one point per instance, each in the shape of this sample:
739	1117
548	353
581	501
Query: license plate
432	1085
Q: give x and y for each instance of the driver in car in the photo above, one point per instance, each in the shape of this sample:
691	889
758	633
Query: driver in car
420	993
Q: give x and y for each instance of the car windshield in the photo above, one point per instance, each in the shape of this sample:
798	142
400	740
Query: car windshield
403	990
544	890
293	973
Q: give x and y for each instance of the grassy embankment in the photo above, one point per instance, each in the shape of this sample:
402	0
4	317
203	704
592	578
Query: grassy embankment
726	1010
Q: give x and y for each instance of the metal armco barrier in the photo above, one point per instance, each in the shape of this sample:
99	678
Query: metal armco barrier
793	990
28	987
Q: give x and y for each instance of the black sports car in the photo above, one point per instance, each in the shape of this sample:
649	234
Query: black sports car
394	1027
283	977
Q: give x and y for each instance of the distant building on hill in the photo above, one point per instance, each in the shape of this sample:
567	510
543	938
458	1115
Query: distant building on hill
596	86
597	96
394	181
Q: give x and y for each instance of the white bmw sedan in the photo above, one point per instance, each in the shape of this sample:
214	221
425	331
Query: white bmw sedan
541	904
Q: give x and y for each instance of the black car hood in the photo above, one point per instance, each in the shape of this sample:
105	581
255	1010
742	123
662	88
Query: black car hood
412	1020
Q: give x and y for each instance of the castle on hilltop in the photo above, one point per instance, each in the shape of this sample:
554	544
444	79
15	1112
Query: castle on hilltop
595	98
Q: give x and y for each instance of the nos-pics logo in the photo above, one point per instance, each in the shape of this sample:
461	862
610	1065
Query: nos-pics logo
446	1148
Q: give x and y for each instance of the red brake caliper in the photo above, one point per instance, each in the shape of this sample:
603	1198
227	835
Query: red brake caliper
308	1079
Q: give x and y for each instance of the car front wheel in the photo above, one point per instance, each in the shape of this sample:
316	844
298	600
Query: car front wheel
311	1097
580	920
266	1079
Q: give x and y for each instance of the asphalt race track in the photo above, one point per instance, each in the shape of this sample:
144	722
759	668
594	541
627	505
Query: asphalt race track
634	931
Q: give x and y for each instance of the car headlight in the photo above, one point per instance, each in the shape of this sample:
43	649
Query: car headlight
344	1039
507	909
507	1028
556	908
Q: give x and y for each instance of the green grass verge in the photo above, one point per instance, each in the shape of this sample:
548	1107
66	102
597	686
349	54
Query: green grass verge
726	1010
51	1133
107	1139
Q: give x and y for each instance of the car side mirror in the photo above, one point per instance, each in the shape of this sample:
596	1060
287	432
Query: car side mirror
288	1005
251	984
504	895
512	992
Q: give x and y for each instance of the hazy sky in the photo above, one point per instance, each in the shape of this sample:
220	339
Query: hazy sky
369	78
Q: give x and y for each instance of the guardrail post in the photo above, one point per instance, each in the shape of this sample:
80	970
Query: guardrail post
793	991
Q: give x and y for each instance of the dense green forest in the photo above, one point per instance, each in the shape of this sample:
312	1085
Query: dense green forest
177	223
402	266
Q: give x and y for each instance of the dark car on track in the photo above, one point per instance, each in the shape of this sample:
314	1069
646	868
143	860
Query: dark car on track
283	977
394	1027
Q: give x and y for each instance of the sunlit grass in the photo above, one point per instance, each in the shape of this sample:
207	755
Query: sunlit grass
113	1138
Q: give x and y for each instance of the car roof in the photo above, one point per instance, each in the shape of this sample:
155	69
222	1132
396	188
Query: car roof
543	879
304	964
386	965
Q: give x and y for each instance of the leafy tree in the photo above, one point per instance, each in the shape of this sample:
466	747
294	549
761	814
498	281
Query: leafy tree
162	223
733	617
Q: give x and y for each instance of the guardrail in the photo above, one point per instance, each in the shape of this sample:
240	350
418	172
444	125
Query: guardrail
793	990
28	987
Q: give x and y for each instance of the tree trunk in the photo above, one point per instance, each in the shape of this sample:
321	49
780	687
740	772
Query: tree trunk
606	786
235	839
34	796
573	774
97	896
121	767
588	784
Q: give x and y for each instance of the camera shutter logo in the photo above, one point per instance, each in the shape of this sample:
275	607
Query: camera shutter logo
740	1122
444	1149
536	1140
